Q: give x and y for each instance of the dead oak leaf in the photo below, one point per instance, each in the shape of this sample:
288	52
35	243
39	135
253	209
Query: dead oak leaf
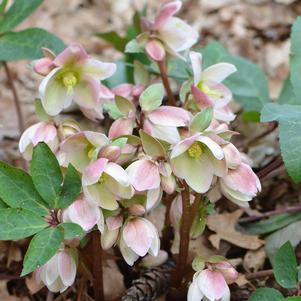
224	226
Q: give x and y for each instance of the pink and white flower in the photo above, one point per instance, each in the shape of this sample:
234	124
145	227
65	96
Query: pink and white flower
104	183
139	237
75	77
207	88
39	132
197	159
59	272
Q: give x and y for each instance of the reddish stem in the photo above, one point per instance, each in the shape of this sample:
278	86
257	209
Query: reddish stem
97	267
165	81
260	274
270	167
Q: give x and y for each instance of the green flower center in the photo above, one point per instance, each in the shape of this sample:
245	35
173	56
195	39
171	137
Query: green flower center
92	152
208	91
104	177
69	81
196	150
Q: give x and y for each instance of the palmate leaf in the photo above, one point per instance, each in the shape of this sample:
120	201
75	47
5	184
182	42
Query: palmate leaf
42	247
17	190
46	174
19	223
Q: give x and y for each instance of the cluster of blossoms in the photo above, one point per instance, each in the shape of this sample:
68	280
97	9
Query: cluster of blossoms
150	149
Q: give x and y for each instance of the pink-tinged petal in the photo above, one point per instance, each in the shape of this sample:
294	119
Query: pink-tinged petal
105	93
218	72
120	127
201	98
166	133
170	116
198	173
94	171
86	93
114	222
212	284
99	194
227	270
232	156
194	293
177	34
124	90
67	268
183	146
27	136
98	70
97	139
50	272
137	90
196	64
95	114
223	94
144	175
235	196
74	54
155	245
117	173
224	114
43	66
219	166
214	148
128	254
118	190
226	296
244	180
109	238
137	236
153	197
83	213
53	94
166	11
46	132
155	50
169	184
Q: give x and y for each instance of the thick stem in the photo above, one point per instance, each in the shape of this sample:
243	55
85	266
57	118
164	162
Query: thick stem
184	237
165	81
270	167
97	267
260	274
15	97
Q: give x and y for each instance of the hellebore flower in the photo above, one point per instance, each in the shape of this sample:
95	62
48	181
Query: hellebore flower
75	77
44	65
139	237
110	233
106	182
168	33
240	185
197	159
210	284
207	89
81	148
39	132
59	272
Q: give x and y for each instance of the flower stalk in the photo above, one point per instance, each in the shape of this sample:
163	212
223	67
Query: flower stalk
166	84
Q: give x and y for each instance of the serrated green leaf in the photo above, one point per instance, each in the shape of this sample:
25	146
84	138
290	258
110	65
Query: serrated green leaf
27	44
18	12
289	120
46	174
72	231
71	187
19	223
114	39
201	120
151	98
17	190
266	294
152	146
285	267
42	247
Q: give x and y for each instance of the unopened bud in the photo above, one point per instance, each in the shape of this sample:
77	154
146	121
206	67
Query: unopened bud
155	50
110	152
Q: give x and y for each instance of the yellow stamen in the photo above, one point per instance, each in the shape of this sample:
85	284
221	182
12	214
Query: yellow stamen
92	152
69	80
196	150
103	178
208	91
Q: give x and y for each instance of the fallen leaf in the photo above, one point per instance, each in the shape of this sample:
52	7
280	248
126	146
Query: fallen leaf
224	226
254	260
14	253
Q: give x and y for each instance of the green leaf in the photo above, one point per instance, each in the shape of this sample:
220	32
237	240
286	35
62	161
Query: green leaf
289	120
141	75
285	267
294	298
295	57
17	190
124	105
112	110
266	294
3	204
19	223
46	174
71	187
152	146
72	231
201	120
198	263
299	273
115	39
287	94
3	6
42	247
133	47
27	44
18	12
120	142
151	98
271	224
251	116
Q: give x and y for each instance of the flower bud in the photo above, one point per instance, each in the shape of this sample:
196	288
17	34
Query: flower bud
111	152
43	66
137	209
155	50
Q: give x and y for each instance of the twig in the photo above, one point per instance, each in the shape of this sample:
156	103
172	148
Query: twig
15	97
97	267
260	274
50	296
254	218
165	81
270	167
